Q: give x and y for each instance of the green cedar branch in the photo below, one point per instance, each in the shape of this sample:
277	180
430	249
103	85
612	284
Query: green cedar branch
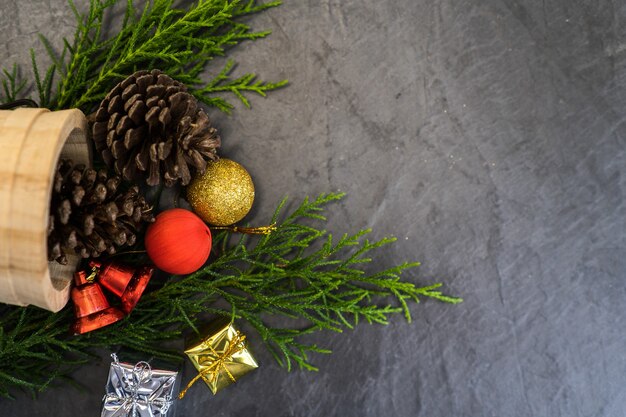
299	276
237	86
13	86
179	42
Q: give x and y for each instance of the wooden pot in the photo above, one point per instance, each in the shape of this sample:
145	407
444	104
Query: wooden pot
31	143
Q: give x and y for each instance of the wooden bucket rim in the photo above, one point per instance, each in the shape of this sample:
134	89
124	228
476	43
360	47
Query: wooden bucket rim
52	132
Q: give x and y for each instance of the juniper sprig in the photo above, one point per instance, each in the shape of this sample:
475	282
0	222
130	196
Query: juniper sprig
179	42
296	281
299	273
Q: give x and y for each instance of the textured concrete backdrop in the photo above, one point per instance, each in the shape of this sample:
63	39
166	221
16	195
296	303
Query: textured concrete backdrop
489	136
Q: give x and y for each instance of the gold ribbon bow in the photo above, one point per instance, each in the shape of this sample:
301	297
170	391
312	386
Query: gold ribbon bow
235	346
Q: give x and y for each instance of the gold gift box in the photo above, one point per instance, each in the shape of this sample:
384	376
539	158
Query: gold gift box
221	358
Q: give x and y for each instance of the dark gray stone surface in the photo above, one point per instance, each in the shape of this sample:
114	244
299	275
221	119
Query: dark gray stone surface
489	136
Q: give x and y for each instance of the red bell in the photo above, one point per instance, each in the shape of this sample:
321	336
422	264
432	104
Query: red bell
125	282
91	306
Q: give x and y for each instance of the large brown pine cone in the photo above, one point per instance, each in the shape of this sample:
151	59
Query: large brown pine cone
150	126
90	214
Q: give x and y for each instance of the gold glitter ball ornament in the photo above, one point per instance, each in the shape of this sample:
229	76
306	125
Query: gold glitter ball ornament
223	195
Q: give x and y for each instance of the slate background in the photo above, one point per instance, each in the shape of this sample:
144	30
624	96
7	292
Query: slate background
489	136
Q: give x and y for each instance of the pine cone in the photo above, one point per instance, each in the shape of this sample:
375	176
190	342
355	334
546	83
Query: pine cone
150	126
90	215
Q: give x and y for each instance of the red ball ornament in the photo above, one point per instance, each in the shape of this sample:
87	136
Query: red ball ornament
178	242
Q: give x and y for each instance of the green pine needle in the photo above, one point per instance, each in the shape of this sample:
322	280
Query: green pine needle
179	42
299	273
12	85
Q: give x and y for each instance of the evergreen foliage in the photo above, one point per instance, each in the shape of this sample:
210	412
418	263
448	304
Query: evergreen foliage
299	276
179	42
299	273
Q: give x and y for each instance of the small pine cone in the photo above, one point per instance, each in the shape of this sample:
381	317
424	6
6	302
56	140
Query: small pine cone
150	126
90	214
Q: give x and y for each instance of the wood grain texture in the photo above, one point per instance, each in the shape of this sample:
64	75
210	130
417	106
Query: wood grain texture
32	141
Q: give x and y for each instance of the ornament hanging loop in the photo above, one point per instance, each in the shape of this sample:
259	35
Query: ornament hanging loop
94	273
261	230
142	372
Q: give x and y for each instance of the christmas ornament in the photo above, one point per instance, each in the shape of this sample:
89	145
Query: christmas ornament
90	214
221	358
125	282
269	271
91	307
178	242
223	195
150	126
139	391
